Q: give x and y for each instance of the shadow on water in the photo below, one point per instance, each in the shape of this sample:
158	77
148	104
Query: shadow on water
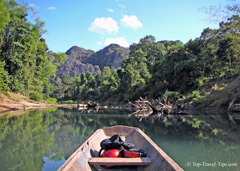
42	140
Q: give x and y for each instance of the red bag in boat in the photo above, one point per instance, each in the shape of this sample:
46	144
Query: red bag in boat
116	147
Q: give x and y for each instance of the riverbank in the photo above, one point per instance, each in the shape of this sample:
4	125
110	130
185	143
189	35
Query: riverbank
17	102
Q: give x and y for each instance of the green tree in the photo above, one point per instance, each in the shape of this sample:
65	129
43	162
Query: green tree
154	50
136	73
229	49
24	51
106	73
3	78
4	16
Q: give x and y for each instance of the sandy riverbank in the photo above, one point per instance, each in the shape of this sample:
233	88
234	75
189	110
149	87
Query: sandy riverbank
15	102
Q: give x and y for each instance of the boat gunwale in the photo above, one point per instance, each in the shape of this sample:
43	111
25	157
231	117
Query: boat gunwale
70	159
168	159
162	153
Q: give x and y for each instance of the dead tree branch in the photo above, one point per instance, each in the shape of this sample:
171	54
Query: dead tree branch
161	106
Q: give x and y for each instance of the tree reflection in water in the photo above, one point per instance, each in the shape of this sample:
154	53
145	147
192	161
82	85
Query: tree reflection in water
26	141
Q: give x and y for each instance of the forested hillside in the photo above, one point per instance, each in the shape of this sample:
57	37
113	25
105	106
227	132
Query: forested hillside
189	71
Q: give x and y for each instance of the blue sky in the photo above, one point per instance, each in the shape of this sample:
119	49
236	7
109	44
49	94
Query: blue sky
93	24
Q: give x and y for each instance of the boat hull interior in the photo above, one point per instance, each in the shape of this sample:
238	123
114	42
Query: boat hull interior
159	159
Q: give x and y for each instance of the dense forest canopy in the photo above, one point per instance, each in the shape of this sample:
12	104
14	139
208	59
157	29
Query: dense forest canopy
24	63
152	68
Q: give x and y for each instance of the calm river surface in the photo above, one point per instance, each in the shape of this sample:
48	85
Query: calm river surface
43	140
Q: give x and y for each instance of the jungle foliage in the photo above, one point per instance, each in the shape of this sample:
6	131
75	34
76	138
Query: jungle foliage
25	66
152	68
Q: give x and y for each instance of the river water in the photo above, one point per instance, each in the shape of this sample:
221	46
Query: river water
43	140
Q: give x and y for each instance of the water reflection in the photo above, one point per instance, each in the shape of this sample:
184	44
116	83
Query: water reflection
24	141
41	140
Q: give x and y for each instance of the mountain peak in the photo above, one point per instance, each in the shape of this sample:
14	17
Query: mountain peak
78	52
113	45
111	56
81	60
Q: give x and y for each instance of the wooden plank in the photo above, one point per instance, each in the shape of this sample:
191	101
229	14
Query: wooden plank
119	161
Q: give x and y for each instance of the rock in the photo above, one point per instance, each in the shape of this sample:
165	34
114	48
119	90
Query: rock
73	66
111	56
81	60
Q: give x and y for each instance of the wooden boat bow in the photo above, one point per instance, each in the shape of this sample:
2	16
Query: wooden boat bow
85	157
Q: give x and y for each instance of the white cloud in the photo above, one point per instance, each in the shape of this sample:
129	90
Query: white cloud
119	40
34	6
104	25
110	10
121	6
137	41
131	21
99	42
51	8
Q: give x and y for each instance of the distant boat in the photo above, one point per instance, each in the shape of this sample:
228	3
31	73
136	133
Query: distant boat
86	156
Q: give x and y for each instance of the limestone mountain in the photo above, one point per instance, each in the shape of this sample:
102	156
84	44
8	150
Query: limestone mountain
79	53
73	66
82	60
111	56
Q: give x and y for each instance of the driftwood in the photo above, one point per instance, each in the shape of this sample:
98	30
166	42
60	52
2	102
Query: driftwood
161	106
10	108
231	104
92	105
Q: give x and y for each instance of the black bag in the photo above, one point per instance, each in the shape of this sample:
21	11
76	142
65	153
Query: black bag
116	142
